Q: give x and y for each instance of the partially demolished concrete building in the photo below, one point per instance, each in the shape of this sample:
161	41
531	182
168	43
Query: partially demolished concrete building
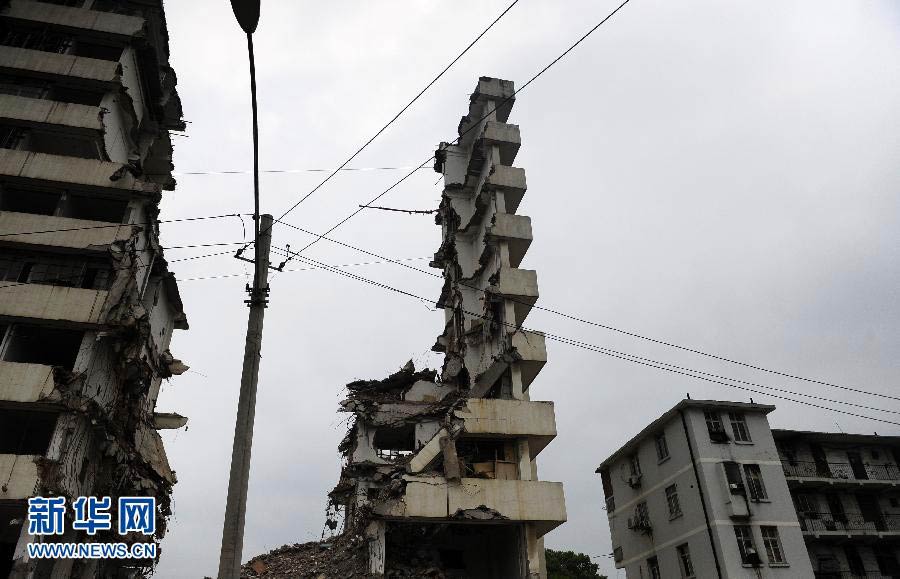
440	467
87	304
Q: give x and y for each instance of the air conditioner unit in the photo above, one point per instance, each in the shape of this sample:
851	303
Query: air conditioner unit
753	557
736	488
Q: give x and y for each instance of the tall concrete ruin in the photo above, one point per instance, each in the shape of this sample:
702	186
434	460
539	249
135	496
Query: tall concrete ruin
87	303
440	468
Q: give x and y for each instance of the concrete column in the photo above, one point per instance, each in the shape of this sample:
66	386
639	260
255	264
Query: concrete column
537	566
525	462
375	533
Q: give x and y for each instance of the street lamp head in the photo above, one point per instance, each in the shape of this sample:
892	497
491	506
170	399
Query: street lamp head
247	14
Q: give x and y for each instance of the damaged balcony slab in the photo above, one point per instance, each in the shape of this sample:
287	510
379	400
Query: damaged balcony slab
90	174
51	231
505	137
52	303
531	350
499	418
23	382
511	182
93	72
106	24
437	499
519	285
32	112
515	230
169	421
22	471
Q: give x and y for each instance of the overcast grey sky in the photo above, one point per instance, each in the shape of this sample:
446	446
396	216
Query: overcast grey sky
723	175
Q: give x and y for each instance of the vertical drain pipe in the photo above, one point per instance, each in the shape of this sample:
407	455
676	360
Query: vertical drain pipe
709	531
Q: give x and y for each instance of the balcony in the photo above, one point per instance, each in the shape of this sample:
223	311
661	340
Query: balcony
22	382
531	351
52	303
497	418
27	111
840	473
520	286
819	524
21	469
515	230
511	182
433	498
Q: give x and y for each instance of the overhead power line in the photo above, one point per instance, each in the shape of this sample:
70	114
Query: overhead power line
596	324
403	110
696	374
461	135
117	225
291	171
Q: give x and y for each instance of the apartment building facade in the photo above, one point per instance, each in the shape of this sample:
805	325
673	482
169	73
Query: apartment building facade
440	466
700	493
87	303
846	491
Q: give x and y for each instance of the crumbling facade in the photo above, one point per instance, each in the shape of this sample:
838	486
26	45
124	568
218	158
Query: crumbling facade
440	476
87	304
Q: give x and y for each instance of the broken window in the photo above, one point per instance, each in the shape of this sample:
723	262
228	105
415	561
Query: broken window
66	271
41	345
23	86
487	459
714	426
58	143
26	431
395	442
58	202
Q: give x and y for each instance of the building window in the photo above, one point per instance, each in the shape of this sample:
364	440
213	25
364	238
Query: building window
634	464
733	477
672	502
653	568
755	485
739	427
744	536
684	561
662	447
714	426
773	545
641	520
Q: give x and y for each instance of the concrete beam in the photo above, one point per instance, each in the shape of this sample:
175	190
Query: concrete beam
21	470
80	69
75	19
52	303
24	166
27	111
62	231
20	382
428	453
500	418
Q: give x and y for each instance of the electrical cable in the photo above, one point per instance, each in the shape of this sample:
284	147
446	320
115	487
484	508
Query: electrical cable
291	171
109	225
597	324
696	374
461	135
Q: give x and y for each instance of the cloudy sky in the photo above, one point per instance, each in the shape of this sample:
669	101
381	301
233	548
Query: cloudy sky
723	175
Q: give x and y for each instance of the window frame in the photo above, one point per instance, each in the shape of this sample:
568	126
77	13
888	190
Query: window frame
662	447
772	544
653	567
685	563
756	486
744	542
672	500
739	428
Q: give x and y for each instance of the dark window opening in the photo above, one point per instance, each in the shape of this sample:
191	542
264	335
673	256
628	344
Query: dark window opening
115	7
394	442
40	345
486	459
56	143
12	517
887	561
34	88
733	477
452	559
42	39
714	426
95	208
73	3
26	431
98	51
24	267
23	86
10	136
76	96
25	201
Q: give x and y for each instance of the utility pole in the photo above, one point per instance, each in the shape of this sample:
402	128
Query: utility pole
247	14
239	478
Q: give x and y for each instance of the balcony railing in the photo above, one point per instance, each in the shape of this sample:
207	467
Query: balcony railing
840	470
848	523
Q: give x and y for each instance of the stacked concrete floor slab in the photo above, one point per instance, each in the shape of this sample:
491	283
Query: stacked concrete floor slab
87	304
440	466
